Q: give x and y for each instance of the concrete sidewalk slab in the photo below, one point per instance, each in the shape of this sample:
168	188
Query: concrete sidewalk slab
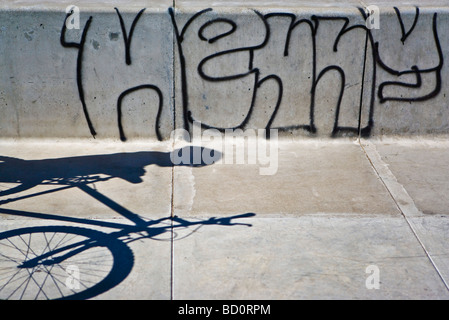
422	167
316	225
307	257
227	263
333	177
433	234
122	178
149	259
415	172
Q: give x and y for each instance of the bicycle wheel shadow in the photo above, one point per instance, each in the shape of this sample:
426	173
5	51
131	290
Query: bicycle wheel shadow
60	259
27	174
35	258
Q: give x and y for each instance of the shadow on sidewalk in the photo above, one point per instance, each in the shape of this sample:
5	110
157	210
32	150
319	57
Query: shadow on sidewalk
89	169
73	263
69	262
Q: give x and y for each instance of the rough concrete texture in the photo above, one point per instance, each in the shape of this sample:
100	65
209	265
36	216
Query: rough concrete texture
423	170
48	80
308	69
131	173
310	222
150	277
317	183
305	258
310	231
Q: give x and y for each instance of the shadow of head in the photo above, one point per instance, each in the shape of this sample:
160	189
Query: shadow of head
131	166
85	169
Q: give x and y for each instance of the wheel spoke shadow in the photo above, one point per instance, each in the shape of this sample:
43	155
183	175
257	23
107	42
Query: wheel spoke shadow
46	262
74	263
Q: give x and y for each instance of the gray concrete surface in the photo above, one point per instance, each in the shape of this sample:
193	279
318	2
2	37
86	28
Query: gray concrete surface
304	67
332	214
361	215
308	257
130	182
329	177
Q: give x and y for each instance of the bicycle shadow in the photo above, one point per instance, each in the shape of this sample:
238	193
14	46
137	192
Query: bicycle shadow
44	270
28	266
88	169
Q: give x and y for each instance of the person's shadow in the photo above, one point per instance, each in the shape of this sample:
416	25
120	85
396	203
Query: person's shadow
93	168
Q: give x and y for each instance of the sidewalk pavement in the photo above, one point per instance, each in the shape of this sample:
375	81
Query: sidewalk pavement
337	219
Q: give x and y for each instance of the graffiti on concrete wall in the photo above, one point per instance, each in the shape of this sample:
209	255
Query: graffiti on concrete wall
280	70
415	70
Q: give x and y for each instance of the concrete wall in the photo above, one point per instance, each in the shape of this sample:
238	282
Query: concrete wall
308	69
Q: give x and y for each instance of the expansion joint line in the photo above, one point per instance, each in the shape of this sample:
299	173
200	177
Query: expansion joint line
172	234
172	211
398	205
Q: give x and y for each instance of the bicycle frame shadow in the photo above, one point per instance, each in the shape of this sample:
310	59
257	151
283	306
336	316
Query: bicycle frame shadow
67	171
79	172
116	243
